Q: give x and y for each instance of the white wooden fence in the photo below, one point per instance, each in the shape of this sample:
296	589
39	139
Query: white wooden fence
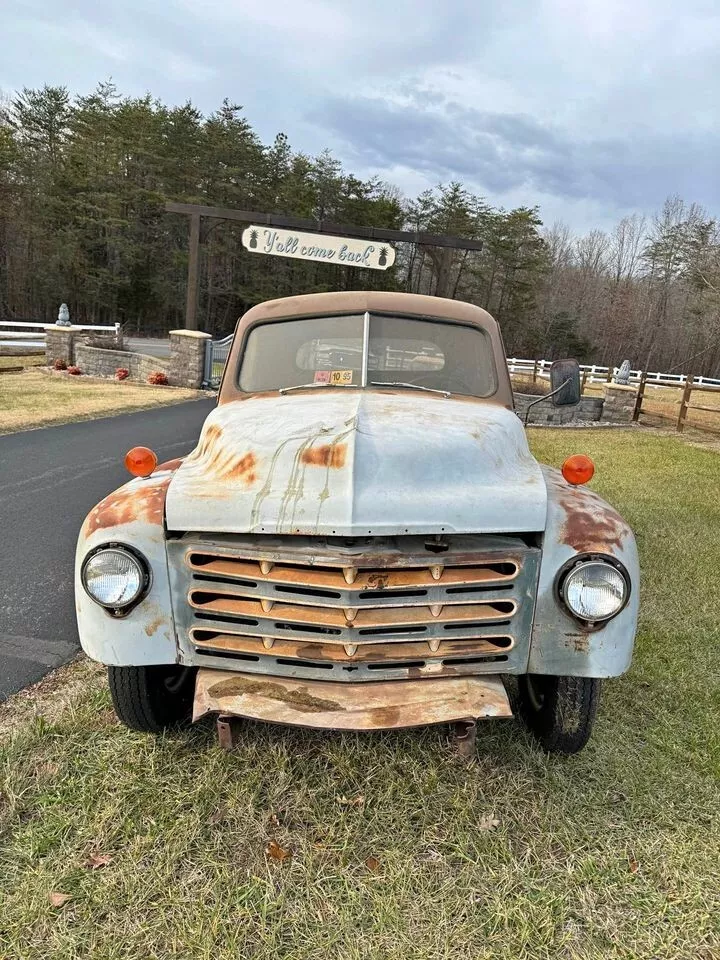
593	373
15	333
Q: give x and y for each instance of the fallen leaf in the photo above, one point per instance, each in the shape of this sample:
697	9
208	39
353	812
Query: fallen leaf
488	823
217	815
277	852
373	864
97	860
59	899
358	801
634	865
274	820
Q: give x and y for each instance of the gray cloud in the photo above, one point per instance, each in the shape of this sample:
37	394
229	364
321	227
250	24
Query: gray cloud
503	152
591	108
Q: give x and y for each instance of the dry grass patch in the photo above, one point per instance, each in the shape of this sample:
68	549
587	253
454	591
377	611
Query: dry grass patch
397	850
36	398
22	360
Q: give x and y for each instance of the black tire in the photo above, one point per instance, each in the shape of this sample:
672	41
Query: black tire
151	699
559	711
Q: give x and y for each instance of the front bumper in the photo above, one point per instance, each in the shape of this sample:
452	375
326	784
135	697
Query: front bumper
382	705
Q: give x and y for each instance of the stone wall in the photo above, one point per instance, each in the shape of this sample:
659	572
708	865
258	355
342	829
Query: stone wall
103	363
184	368
589	410
617	406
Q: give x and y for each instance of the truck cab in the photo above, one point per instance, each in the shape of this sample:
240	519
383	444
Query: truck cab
361	539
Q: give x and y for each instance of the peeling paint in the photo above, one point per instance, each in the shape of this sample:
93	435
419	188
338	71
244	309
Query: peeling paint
590	524
298	697
142	500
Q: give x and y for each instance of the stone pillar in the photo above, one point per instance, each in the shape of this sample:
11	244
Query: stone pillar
619	404
187	358
60	344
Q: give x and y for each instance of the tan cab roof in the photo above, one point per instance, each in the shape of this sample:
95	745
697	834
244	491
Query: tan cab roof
360	301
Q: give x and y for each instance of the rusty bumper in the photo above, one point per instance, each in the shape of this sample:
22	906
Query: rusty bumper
344	706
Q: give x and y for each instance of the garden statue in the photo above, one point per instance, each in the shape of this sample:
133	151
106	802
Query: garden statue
623	374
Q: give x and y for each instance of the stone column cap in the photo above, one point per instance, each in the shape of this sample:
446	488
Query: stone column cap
198	334
628	387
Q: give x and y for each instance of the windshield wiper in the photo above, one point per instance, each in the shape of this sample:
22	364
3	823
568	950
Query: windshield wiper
411	386
308	386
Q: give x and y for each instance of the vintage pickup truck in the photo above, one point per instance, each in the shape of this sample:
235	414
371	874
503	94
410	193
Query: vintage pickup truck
360	540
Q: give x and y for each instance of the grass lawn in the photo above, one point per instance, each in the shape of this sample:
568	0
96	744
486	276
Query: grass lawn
22	360
37	399
397	849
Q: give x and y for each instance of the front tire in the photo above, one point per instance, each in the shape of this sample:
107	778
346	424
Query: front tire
151	699
559	711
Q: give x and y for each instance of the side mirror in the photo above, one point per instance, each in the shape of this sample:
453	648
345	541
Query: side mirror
565	378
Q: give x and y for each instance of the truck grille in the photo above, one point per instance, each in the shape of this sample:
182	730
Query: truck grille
355	609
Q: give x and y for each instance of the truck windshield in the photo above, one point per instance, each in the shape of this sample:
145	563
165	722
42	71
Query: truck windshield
330	351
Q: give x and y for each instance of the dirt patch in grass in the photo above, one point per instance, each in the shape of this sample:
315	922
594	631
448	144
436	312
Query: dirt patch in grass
168	847
37	398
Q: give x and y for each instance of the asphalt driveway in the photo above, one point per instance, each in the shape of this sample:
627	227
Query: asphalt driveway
49	480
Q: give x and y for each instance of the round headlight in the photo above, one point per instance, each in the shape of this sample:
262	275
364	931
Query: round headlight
113	578
595	590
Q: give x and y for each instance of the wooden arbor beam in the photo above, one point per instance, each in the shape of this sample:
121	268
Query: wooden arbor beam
197	211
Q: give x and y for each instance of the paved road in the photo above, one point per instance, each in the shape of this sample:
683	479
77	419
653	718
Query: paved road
49	480
152	347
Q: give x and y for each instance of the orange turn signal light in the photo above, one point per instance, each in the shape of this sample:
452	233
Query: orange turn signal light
140	461
578	469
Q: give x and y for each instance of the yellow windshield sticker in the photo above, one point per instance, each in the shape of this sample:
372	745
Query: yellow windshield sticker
337	378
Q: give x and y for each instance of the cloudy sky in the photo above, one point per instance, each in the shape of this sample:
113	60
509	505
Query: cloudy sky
589	108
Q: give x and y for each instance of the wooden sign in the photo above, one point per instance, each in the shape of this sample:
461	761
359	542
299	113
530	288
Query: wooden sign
322	248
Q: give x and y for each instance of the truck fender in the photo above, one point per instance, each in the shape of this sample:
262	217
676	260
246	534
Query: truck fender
131	515
580	523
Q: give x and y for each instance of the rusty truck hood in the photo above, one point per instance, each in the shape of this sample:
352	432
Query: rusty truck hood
351	462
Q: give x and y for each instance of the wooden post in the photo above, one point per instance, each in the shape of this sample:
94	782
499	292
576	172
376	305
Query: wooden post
610	374
535	366
584	380
193	274
684	404
640	395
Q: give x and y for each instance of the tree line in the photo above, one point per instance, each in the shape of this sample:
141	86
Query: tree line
84	180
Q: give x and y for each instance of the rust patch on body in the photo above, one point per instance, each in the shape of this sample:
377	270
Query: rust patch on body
221	463
378	581
386	717
331	455
242	469
579	642
298	698
152	627
209	437
349	706
590	524
170	464
144	503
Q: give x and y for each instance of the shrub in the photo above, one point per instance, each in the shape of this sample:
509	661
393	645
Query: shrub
60	364
158	379
74	371
122	373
